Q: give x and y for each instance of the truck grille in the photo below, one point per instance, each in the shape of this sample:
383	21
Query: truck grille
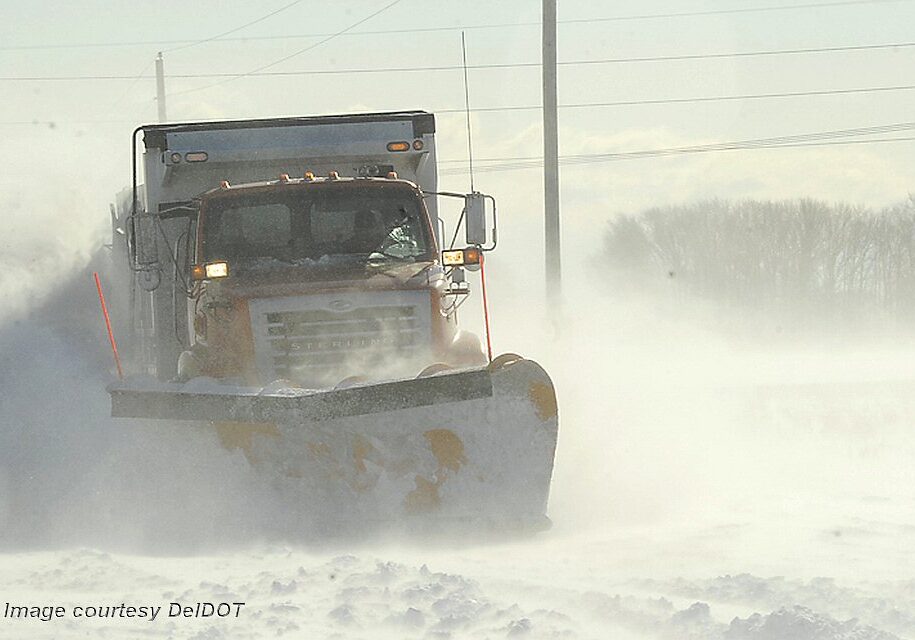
322	338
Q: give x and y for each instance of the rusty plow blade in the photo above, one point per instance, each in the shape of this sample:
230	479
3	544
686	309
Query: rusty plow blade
473	444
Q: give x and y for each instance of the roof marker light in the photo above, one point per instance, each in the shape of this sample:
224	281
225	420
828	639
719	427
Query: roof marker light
392	175
399	146
309	176
333	175
224	184
283	177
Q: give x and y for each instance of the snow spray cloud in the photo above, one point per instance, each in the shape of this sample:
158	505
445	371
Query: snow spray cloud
664	415
45	239
53	211
69	474
643	435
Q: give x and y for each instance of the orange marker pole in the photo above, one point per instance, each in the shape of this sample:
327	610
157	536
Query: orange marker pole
114	346
485	307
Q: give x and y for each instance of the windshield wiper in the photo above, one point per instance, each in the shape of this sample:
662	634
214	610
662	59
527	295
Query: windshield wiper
383	255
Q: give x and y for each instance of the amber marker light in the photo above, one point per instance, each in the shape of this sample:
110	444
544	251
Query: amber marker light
399	146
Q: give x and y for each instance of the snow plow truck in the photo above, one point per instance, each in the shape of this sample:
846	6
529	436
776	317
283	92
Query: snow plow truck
285	283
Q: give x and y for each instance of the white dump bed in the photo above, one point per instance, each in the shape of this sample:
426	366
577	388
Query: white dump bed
184	160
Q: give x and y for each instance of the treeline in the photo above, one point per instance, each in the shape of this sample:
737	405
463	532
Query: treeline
804	253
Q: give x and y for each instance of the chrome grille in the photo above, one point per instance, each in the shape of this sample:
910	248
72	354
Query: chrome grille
321	338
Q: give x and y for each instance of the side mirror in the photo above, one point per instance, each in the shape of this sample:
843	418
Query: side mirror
475	218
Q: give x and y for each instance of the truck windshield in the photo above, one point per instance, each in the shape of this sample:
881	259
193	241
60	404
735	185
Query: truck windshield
299	223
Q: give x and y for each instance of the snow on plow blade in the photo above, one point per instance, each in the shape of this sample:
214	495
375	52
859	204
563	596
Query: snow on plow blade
470	443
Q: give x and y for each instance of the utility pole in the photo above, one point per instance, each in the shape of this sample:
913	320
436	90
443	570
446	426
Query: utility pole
160	87
551	162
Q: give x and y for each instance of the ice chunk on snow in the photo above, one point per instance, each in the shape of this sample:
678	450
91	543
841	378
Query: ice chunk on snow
800	623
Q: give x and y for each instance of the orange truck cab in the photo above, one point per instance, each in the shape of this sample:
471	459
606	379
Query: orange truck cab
315	280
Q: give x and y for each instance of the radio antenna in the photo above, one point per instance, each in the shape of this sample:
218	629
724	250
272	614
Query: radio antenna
467	107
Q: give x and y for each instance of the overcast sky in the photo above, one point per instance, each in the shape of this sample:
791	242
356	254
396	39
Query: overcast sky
87	149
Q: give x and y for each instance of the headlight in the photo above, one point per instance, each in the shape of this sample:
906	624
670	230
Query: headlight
217	270
210	271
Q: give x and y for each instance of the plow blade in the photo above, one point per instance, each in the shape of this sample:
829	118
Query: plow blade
468	444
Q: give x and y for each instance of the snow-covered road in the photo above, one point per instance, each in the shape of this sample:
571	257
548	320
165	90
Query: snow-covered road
701	491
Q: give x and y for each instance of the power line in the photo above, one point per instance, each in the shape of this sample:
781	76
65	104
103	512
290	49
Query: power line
715	12
585	105
748	54
132	84
818	139
291	55
635	17
834	143
822	139
55	123
798	137
502	65
236	29
657	101
749	96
